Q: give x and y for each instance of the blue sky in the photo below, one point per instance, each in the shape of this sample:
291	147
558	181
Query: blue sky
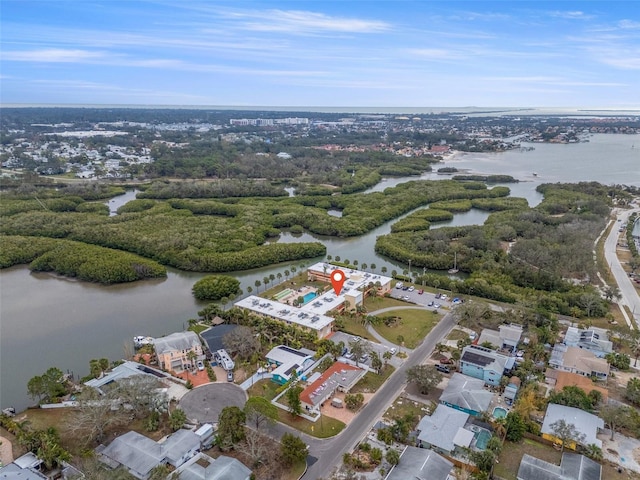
324	53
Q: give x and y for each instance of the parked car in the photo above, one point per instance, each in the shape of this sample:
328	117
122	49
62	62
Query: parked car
443	296
393	350
430	304
200	365
456	301
405	288
436	305
363	358
420	292
348	355
442	368
399	285
438	295
411	288
229	376
446	361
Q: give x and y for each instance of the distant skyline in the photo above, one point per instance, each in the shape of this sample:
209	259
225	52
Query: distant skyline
322	53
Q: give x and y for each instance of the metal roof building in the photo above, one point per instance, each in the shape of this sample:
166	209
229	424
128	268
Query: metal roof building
586	423
203	467
466	394
572	467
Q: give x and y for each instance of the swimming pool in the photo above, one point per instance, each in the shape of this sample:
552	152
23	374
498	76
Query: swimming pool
308	297
482	438
499	412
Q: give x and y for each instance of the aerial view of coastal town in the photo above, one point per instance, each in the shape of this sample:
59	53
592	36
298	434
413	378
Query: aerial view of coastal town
242	241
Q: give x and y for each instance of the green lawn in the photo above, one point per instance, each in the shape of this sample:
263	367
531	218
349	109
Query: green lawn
457	335
377	303
325	427
371	382
263	388
509	460
198	328
354	326
404	406
414	325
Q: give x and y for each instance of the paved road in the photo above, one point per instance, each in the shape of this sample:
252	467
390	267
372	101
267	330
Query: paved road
329	452
629	294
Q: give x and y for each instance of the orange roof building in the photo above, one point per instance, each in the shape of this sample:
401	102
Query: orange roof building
566	379
340	376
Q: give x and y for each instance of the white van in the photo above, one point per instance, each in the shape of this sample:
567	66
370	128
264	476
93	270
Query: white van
337	403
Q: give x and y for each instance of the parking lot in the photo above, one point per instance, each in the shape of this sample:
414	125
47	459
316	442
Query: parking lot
417	296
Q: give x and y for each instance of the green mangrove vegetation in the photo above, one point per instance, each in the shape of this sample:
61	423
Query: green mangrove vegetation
216	287
78	260
540	255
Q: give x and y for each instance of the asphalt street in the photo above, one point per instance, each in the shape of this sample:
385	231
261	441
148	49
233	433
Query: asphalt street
328	453
628	292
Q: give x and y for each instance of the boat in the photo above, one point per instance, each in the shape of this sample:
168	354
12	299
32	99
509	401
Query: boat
9	411
535	174
140	341
455	263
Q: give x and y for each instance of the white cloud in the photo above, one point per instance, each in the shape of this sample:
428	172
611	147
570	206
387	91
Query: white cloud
305	22
629	25
51	55
572	15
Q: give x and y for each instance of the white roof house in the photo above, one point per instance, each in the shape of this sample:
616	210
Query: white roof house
177	341
442	429
586	423
466	394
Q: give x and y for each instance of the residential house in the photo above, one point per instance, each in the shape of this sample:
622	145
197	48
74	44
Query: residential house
586	424
594	339
339	377
578	360
466	394
511	390
421	463
572	467
288	360
173	351
124	370
485	364
139	454
565	379
443	431
26	467
506	337
204	467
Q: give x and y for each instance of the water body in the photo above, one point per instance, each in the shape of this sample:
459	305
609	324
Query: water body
116	202
46	320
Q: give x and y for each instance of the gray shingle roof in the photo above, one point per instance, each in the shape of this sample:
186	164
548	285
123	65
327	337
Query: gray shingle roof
420	463
176	341
178	444
467	392
441	427
203	467
136	452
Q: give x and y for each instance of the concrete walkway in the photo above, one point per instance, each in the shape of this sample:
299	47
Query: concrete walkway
6	451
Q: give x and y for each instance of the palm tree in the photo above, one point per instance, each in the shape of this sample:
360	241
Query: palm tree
265	280
257	284
286	274
249	290
373	267
383	269
355	263
191	356
364	266
329	257
279	275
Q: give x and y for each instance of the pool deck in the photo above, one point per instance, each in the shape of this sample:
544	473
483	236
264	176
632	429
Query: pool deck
300	292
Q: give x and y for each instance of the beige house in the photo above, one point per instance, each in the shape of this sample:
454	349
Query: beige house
173	351
580	361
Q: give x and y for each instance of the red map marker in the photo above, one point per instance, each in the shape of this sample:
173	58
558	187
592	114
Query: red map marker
337	280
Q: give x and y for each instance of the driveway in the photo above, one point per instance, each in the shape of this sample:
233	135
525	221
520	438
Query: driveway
204	404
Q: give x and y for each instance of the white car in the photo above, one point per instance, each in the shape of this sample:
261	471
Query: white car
411	289
200	365
393	350
443	296
399	285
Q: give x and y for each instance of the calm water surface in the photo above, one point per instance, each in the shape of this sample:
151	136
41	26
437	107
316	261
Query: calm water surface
47	320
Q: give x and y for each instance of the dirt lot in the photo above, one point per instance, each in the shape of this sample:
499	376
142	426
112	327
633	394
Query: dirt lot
343	414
